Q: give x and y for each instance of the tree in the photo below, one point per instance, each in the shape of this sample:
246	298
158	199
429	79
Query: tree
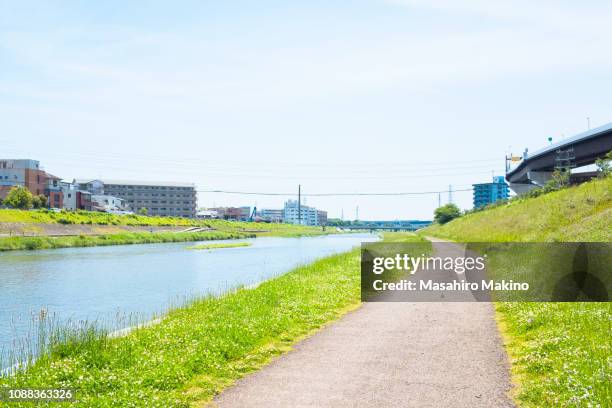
19	197
143	211
446	213
604	165
39	201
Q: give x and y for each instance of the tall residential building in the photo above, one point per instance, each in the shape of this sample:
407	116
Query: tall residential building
303	214
165	199
488	193
29	173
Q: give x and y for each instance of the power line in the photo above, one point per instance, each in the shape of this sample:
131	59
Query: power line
403	193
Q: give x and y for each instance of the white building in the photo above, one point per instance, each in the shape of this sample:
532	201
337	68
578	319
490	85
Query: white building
305	215
107	203
207	214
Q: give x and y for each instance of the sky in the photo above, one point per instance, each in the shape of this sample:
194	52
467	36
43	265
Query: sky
378	96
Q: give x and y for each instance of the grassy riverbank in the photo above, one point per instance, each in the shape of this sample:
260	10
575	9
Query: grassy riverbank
560	352
581	213
221	245
199	349
46	229
35	221
32	243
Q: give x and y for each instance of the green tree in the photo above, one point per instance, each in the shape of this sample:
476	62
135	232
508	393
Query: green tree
143	211
446	213
604	165
19	197
39	201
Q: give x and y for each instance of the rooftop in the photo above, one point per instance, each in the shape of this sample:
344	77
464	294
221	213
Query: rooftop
137	183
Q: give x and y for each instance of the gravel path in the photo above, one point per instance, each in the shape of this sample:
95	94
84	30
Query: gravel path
391	354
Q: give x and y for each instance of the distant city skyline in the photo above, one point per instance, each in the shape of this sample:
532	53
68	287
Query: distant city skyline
364	96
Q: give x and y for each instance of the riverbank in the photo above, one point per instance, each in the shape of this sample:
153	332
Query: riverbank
43	229
200	349
559	351
34	243
45	223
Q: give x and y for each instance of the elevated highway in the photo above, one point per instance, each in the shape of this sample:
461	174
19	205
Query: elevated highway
536	168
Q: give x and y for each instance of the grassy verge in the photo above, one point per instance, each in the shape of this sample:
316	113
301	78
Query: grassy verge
221	245
32	243
561	353
199	349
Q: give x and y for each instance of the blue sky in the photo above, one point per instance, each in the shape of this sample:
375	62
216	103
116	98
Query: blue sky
340	96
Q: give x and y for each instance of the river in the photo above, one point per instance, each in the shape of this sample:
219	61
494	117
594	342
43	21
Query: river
117	285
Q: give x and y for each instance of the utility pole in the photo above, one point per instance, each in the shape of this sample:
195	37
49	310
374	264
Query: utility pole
439	199
588	123
299	204
357	213
450	193
342	214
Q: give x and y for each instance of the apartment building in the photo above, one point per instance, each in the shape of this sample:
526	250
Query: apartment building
21	172
303	214
488	193
30	174
165	199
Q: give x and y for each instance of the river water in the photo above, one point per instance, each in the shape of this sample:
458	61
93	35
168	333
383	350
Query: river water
109	284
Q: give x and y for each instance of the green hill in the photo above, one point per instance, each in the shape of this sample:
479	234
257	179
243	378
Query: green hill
581	213
561	353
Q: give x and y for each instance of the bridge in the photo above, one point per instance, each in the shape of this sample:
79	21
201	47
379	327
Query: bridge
410	225
535	169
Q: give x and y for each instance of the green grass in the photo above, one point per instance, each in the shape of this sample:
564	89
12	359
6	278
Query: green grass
581	213
200	349
33	243
561	353
221	245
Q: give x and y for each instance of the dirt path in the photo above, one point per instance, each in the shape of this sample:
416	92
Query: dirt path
391	354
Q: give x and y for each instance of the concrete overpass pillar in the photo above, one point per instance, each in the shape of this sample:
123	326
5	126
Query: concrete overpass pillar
539	177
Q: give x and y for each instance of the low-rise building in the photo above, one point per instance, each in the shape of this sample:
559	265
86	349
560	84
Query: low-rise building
321	217
75	199
270	214
206	214
166	199
53	191
488	193
108	203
